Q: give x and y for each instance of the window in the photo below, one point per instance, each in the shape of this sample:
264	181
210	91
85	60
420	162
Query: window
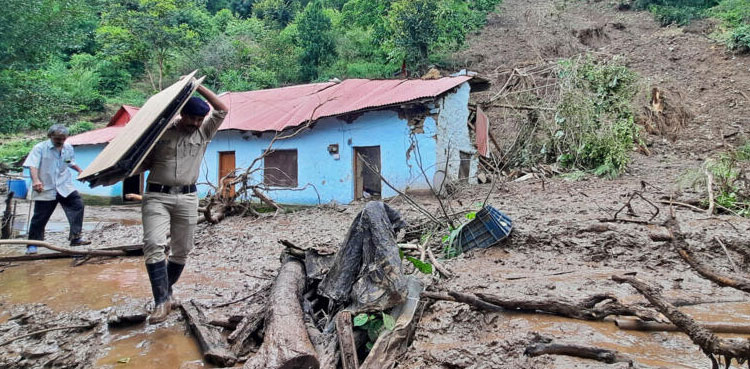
280	168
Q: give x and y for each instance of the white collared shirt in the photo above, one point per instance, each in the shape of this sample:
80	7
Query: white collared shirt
53	170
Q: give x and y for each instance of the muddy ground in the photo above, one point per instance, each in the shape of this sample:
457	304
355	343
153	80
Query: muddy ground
559	246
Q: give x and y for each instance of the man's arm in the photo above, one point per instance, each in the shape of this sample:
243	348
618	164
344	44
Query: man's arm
36	183
33	162
212	99
212	123
77	168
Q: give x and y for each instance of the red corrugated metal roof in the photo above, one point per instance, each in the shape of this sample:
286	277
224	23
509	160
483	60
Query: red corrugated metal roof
280	108
97	136
106	134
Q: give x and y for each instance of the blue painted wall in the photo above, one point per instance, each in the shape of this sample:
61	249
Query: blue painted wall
323	177
85	154
328	177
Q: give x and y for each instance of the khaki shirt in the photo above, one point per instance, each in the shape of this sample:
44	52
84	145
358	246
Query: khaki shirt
176	158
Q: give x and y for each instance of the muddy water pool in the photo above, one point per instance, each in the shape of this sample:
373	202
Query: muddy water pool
64	288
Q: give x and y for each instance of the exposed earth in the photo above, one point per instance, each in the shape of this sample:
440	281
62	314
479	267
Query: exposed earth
559	248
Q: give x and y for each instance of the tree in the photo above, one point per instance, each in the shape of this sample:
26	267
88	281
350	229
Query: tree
153	32
413	28
33	30
314	31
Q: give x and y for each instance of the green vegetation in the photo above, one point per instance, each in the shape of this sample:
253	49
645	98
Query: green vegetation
13	152
730	187
679	12
374	325
592	127
65	61
734	14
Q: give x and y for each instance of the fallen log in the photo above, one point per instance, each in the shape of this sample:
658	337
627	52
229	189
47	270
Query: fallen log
683	250
596	307
710	344
722	280
347	347
129	250
249	325
209	338
90	252
715	327
286	344
594	353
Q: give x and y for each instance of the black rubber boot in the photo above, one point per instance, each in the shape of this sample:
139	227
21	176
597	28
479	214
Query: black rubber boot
174	271
157	274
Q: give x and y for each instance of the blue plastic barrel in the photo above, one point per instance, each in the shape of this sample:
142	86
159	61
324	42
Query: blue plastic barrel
18	186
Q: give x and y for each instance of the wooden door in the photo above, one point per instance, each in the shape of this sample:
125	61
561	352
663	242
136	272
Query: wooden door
226	168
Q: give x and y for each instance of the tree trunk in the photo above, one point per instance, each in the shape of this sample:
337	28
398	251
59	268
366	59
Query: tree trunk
286	344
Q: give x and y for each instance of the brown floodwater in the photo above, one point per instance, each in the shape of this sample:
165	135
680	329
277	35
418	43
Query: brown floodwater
163	348
654	349
63	287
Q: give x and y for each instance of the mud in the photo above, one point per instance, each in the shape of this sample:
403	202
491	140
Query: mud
559	246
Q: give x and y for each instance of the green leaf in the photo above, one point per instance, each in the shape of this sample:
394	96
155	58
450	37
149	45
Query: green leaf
388	322
422	266
471	215
369	345
361	319
401	254
374	329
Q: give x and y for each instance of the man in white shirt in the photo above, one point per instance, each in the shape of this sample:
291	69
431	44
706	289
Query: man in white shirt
52	183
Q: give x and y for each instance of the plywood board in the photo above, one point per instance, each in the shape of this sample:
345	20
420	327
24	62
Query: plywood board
122	157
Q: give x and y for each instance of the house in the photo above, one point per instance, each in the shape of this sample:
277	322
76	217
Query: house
331	141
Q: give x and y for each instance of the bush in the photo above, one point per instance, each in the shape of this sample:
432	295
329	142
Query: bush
679	12
13	152
739	39
80	127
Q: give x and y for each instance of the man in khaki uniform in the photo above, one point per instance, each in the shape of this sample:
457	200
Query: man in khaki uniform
170	204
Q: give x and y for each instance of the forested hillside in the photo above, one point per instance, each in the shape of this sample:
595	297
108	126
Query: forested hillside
65	60
76	61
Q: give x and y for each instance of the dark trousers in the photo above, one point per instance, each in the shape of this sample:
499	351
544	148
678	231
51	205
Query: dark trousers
73	207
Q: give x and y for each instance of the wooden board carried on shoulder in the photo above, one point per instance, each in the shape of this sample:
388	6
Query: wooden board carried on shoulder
124	155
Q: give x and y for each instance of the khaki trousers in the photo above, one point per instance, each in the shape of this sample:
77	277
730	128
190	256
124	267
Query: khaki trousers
173	213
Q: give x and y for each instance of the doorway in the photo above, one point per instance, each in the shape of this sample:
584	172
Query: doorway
227	166
367	183
132	184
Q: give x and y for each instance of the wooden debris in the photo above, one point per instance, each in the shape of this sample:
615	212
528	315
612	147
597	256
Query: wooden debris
7	222
348	348
739	283
715	327
286	343
249	325
594	353
707	341
596	307
212	344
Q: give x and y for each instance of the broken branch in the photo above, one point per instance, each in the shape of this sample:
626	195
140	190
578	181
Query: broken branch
707	341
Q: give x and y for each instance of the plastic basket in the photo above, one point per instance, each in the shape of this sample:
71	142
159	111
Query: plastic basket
489	227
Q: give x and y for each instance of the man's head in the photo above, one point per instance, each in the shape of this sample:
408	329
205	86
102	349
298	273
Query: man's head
57	134
192	114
